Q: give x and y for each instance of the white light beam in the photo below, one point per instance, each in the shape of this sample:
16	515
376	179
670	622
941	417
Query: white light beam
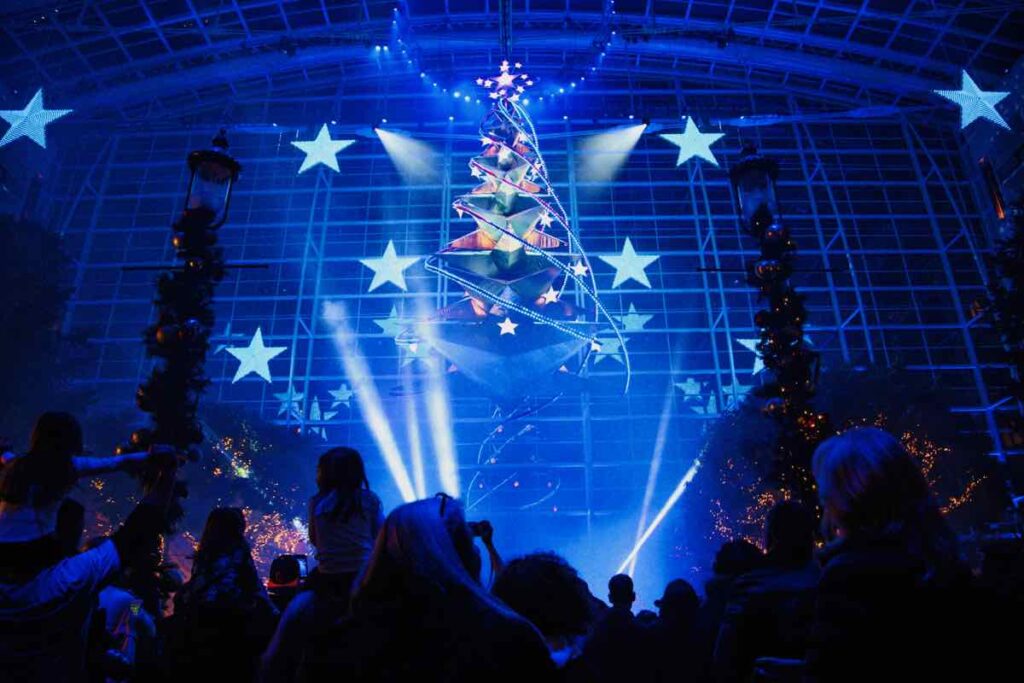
358	372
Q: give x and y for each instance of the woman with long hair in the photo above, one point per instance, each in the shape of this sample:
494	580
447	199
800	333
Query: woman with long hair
344	517
223	617
419	611
893	591
34	484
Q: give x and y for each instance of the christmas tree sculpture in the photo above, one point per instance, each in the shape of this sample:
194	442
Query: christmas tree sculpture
531	302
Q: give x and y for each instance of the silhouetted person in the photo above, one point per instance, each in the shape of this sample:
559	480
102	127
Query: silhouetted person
344	519
618	648
892	595
732	560
419	612
125	646
70	526
547	591
771	609
46	598
223	617
674	632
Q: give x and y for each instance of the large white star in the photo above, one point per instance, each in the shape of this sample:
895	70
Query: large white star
693	143
751	345
975	103
389	268
321	150
291	402
629	265
31	121
633	320
255	357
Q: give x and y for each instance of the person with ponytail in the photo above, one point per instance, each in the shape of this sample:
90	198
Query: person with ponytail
344	517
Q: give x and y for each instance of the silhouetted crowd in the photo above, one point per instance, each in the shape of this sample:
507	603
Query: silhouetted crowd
399	597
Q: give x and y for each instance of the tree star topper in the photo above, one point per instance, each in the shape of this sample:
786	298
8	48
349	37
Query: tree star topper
389	268
321	150
975	103
31	121
255	358
692	143
506	84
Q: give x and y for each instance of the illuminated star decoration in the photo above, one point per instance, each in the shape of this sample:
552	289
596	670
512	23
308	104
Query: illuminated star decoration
550	296
391	326
507	327
291	402
342	395
751	345
255	357
632	320
505	83
629	265
389	268
609	347
690	387
736	392
321	150
316	416
31	121
578	269
975	103
692	143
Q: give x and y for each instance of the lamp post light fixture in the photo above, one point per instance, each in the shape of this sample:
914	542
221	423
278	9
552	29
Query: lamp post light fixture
213	172
754	178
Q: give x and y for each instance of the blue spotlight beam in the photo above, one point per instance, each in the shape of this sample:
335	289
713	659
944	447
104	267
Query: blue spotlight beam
660	517
655	467
358	372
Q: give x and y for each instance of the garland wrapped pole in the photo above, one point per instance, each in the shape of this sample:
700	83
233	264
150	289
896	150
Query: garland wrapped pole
180	335
1006	308
1006	292
792	366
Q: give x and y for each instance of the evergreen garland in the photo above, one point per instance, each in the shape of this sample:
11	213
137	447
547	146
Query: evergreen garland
180	336
1006	296
792	367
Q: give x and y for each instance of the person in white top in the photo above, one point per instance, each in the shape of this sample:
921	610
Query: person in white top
344	515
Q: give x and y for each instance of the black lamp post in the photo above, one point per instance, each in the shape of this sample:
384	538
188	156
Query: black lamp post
792	366
213	176
184	302
754	181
